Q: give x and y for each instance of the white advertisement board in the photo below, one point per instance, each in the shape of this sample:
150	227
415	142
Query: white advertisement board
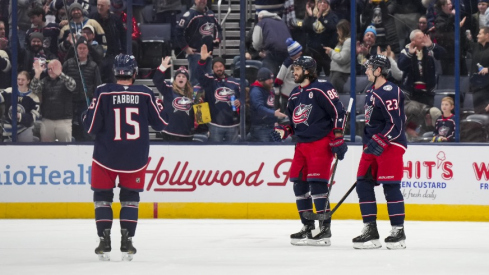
241	173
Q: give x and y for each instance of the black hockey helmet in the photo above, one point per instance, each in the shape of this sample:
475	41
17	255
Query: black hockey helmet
379	61
125	65
307	63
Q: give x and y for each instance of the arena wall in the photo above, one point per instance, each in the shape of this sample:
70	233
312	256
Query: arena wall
441	182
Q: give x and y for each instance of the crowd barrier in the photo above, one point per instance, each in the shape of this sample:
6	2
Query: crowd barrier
441	182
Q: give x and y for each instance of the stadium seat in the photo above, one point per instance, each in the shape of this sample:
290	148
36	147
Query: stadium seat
252	67
156	43
474	128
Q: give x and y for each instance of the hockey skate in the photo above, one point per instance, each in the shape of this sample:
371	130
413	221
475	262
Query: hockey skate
369	239
322	238
127	249
104	248
300	238
397	238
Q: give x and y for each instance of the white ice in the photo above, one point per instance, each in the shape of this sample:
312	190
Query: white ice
239	247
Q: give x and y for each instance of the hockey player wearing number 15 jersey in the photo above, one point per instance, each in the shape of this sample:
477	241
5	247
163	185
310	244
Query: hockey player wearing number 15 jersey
317	119
119	117
381	162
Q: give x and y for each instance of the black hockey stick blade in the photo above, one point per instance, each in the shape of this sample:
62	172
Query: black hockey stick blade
316	217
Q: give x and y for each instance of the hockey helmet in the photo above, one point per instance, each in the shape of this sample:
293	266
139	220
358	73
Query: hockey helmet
125	65
307	63
379	61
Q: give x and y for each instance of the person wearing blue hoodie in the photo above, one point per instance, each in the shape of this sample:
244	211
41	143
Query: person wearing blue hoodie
263	114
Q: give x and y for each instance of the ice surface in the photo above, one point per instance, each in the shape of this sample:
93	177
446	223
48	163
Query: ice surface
239	247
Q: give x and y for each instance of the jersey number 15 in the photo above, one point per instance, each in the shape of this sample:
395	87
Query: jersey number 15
129	121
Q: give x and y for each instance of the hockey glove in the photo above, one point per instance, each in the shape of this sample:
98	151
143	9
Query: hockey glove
281	132
338	147
377	145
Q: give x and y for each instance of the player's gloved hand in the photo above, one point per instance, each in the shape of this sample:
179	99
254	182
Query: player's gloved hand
338	147
281	132
377	145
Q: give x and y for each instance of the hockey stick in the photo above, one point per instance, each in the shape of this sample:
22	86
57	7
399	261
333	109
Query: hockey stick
325	216
311	215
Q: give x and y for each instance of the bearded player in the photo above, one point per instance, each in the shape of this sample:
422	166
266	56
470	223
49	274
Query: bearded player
317	119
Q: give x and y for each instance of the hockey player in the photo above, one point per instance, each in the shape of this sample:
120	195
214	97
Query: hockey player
317	120
381	162
119	117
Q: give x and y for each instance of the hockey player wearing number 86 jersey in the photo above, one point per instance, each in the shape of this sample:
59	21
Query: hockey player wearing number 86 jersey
384	143
317	119
119	117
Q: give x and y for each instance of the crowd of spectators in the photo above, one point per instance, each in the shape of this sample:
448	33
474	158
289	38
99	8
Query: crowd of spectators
418	37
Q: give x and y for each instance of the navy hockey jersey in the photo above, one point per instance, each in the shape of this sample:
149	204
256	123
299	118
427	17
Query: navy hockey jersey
218	93
384	114
178	108
445	127
119	117
314	111
198	28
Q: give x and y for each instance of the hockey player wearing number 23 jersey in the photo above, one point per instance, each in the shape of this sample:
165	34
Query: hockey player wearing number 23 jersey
384	144
317	119
119	117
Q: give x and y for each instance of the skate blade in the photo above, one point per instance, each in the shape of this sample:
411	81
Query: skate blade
105	257
397	245
372	244
319	242
298	242
126	257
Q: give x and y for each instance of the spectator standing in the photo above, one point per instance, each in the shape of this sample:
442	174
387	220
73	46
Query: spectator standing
479	18
115	35
445	37
376	14
56	92
76	24
269	37
27	109
23	21
480	55
272	6
197	27
340	56
177	101
84	88
406	14
320	26
263	113
445	125
417	62
35	51
218	90
366	48
284	83
50	31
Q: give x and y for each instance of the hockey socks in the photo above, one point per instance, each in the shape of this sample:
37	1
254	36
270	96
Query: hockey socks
129	216
368	203
303	200
103	216
129	210
319	193
395	203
